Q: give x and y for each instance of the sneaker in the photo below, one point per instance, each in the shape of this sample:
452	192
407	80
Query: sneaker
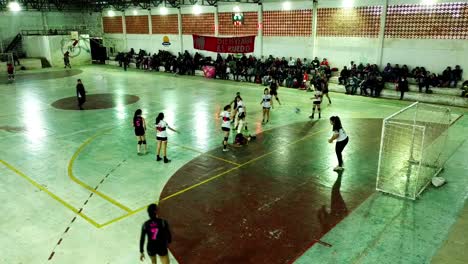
225	150
158	158
338	168
166	160
311	117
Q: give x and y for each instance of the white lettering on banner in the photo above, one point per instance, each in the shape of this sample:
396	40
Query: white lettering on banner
239	49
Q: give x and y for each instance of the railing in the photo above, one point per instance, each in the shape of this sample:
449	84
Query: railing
13	43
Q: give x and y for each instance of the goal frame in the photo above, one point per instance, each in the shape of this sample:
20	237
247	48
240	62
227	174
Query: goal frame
415	193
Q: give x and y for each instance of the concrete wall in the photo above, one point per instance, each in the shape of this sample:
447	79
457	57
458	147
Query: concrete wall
340	49
53	47
12	23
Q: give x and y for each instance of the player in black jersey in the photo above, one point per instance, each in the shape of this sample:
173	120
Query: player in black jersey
139	124
159	236
234	108
274	89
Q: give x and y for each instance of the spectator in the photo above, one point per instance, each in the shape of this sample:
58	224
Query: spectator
446	77
402	86
456	76
344	75
292	62
464	89
316	63
324	62
16	59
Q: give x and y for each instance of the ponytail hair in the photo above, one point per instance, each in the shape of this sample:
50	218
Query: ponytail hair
137	113
336	123
227	107
159	118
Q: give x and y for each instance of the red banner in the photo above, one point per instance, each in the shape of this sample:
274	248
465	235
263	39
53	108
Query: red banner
224	45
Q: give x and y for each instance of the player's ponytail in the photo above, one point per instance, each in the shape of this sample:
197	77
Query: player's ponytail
159	118
137	113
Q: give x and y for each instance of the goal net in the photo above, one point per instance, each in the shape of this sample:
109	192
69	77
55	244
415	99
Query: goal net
412	149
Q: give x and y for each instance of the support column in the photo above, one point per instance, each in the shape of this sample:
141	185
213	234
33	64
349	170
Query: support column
179	23
124	27
150	23
314	29
216	21
45	25
380	46
260	28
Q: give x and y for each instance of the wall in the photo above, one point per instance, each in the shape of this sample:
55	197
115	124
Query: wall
431	36
36	47
412	34
12	23
53	47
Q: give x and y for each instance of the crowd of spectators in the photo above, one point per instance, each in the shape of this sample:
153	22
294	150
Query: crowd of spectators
289	73
293	72
371	80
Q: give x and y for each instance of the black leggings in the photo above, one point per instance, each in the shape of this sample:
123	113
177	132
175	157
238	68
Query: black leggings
340	145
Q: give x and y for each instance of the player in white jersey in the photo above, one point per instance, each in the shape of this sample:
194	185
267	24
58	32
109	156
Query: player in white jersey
341	140
317	100
226	125
267	103
161	136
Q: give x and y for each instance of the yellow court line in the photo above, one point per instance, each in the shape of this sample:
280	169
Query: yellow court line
53	196
207	180
86	186
203	153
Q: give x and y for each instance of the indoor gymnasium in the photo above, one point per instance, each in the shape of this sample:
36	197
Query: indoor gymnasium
248	131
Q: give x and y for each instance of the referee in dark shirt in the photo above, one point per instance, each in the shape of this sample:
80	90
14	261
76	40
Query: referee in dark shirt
80	94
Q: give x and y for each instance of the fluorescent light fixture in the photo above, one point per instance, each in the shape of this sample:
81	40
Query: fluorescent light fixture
163	10
135	12
348	3
287	5
236	9
196	9
14	6
111	13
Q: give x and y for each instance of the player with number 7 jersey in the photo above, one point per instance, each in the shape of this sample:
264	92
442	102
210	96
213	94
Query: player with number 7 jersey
159	236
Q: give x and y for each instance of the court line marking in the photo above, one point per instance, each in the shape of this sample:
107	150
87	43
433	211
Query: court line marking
206	154
209	179
83	184
52	195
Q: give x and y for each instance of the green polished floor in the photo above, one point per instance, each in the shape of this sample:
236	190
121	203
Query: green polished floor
52	160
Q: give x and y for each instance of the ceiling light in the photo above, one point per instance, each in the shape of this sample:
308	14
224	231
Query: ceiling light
163	10
196	9
135	12
14	6
236	9
348	3
287	6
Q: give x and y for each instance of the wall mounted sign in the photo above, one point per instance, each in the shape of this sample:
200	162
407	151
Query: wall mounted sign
166	41
224	45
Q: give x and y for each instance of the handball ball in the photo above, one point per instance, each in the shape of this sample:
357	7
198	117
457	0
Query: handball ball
297	110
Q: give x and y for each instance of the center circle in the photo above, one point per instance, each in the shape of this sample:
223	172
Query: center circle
96	101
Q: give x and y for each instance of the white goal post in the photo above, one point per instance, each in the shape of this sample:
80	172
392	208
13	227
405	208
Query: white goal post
412	149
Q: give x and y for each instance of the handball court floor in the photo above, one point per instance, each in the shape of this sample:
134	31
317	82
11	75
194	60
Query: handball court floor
74	190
